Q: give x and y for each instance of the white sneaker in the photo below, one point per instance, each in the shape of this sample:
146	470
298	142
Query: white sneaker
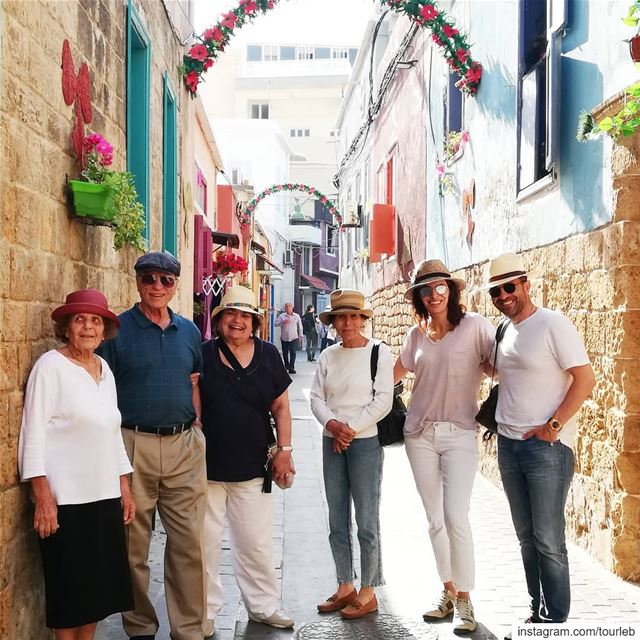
277	619
443	608
464	620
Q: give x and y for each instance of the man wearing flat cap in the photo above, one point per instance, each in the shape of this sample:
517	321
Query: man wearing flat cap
545	376
155	359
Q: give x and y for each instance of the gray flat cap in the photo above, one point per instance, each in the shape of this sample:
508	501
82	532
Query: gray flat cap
158	261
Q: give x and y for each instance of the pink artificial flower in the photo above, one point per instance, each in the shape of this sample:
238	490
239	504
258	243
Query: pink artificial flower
462	55
192	79
440	170
250	6
229	20
437	40
453	63
464	137
270	4
429	12
214	34
198	52
475	73
449	31
207	64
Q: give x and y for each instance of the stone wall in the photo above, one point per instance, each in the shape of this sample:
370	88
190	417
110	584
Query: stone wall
43	254
592	278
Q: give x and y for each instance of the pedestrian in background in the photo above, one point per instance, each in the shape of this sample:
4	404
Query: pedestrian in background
322	336
243	381
545	376
290	335
309	326
72	453
447	350
153	358
348	406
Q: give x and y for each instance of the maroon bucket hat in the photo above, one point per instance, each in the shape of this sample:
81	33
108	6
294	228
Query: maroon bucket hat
85	301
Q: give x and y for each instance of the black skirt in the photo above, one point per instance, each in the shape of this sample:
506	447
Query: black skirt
86	570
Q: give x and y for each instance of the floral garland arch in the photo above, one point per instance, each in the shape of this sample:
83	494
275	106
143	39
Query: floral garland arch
247	212
453	44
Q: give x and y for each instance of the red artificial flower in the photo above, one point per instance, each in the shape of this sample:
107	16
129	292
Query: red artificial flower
429	12
199	52
250	6
474	74
437	40
270	4
462	55
213	34
449	31
207	64
229	20
192	79
453	63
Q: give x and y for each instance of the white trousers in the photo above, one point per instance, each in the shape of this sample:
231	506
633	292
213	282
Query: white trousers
249	512
444	460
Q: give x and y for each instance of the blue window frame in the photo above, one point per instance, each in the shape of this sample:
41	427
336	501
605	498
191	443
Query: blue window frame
169	170
138	92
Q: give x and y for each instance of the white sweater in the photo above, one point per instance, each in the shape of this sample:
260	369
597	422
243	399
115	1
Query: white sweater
342	388
71	431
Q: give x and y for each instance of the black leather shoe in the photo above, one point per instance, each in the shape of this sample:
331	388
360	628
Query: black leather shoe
292	371
142	638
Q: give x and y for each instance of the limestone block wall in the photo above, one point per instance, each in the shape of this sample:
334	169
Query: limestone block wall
43	254
592	278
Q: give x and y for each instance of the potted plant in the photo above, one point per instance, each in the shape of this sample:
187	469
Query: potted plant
228	264
633	20
108	197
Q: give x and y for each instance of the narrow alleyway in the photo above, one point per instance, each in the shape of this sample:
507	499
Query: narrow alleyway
305	566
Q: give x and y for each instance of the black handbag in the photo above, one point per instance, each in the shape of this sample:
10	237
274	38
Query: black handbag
486	415
391	427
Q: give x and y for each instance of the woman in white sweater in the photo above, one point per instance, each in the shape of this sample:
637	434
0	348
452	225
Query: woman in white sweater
348	404
71	451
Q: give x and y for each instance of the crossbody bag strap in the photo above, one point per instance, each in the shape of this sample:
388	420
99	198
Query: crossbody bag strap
233	361
374	360
502	327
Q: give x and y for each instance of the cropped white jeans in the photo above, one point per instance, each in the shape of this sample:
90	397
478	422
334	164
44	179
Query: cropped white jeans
444	459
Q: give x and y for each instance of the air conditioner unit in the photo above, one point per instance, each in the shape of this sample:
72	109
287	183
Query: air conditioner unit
288	257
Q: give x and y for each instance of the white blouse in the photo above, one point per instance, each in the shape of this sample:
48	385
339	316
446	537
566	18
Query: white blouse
70	431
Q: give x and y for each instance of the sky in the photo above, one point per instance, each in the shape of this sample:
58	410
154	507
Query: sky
332	22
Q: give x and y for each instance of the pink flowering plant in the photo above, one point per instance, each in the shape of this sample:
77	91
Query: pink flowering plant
97	156
452	43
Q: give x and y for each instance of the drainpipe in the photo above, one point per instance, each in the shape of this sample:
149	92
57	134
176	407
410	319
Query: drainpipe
272	319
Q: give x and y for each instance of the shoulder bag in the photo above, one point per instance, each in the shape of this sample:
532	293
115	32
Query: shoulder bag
486	415
269	422
390	428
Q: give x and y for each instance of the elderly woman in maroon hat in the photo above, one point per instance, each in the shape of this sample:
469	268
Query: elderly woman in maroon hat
71	452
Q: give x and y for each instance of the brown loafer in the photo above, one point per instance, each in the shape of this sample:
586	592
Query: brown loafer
359	610
333	603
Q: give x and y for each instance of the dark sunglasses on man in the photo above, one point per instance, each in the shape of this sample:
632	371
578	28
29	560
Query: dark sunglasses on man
427	291
151	278
508	287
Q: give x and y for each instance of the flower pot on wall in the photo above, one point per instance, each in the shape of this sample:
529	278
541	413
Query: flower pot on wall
92	202
634	48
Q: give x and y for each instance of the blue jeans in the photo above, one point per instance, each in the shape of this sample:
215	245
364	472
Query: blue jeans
354	475
289	350
536	478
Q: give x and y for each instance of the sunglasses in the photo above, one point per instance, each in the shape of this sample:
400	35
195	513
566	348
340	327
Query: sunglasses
509	287
151	278
427	291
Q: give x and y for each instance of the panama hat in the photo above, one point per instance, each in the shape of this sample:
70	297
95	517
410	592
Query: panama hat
239	297
85	301
504	268
344	301
430	271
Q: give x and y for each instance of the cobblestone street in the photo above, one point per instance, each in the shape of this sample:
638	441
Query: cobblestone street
305	566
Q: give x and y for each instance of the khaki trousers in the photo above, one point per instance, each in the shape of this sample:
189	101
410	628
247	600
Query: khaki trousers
170	473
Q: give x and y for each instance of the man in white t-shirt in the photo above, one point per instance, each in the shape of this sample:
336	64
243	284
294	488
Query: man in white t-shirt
545	376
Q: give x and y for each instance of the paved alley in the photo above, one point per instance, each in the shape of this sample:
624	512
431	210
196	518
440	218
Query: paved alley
305	566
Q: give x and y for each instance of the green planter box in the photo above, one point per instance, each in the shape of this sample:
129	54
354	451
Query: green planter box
94	202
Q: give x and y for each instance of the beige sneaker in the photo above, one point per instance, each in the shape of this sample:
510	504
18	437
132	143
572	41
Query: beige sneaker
443	608
207	629
464	620
277	619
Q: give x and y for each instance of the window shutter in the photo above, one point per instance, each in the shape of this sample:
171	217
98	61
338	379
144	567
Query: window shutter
198	222
207	252
554	57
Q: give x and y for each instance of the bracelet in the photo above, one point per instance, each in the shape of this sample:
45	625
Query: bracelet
286	447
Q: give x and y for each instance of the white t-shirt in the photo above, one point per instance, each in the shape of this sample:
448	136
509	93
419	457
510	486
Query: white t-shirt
448	373
342	388
533	358
71	431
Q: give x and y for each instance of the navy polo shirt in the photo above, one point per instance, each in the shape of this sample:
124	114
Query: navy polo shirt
152	368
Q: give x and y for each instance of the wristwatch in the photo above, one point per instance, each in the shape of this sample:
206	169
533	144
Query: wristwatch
554	425
286	447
